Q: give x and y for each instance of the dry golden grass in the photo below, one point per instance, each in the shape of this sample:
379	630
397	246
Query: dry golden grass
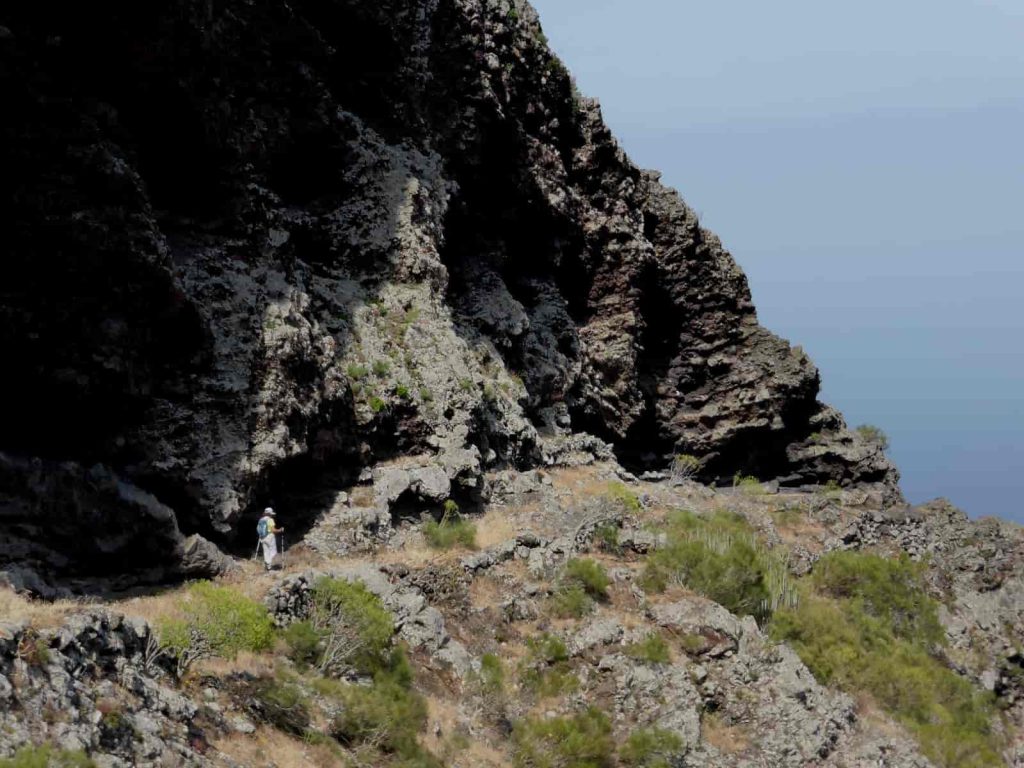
482	754
727	739
260	664
40	614
269	748
415	553
442	722
451	744
486	592
155	607
495	527
362	496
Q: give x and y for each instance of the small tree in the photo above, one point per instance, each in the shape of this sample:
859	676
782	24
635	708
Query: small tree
873	434
685	466
214	620
354	628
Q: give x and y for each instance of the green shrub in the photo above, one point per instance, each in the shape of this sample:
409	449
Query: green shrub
452	530
402	391
283	705
447	534
620	493
716	555
47	757
466	385
303	643
651	748
353	627
749	484
377	404
386	715
357	372
582	581
546	671
492	673
607	538
693	643
547	648
873	434
652	648
381	368
581	741
571	602
866	624
426	395
891	590
217	620
832	490
588	574
35	652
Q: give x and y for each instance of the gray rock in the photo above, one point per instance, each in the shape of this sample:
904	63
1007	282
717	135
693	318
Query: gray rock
596	632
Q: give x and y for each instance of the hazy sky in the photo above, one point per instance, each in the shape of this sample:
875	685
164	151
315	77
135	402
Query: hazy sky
864	162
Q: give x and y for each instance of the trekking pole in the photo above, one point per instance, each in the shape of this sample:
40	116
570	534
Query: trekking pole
259	543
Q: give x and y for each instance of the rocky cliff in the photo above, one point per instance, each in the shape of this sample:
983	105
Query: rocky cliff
254	249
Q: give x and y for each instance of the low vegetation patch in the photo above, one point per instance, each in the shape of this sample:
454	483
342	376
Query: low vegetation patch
492	673
281	704
451	531
357	372
748	484
606	539
866	624
589	575
873	434
47	757
581	582
215	620
651	748
546	672
583	740
718	556
386	716
652	648
570	602
621	494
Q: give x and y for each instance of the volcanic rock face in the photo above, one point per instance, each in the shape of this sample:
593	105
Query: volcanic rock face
255	248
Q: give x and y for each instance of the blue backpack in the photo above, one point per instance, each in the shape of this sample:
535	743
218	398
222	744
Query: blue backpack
261	528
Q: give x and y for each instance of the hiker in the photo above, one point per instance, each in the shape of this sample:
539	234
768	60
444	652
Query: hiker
267	530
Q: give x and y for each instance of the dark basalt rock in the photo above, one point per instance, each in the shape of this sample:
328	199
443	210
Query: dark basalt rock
214	214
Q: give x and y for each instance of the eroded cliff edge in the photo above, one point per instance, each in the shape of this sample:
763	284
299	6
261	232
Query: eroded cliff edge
253	249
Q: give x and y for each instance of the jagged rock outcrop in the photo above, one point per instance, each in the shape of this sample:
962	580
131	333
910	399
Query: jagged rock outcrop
95	684
252	249
57	516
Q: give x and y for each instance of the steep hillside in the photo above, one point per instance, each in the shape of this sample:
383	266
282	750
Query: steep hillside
585	620
253	249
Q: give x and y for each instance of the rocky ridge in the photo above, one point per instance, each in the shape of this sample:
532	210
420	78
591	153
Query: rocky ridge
731	695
